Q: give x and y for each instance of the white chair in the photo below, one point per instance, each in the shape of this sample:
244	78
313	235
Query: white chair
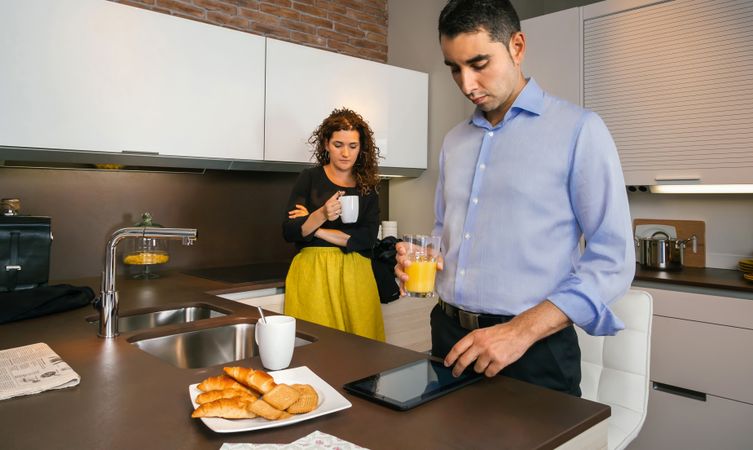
615	369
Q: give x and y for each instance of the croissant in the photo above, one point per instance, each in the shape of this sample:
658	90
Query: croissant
281	396
258	380
221	382
307	401
229	408
211	396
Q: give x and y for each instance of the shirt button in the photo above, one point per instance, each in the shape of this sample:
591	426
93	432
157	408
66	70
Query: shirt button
475	200
467	235
482	166
462	272
491	133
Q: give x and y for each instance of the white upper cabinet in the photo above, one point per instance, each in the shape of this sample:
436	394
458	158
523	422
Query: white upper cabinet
672	81
305	84
94	75
553	53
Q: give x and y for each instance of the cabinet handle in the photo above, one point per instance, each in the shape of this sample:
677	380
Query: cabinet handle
682	392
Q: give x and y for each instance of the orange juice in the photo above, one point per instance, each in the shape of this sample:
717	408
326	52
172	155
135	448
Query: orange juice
421	276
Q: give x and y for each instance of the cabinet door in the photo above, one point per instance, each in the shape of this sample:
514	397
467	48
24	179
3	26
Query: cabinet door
676	422
553	53
101	76
305	84
272	299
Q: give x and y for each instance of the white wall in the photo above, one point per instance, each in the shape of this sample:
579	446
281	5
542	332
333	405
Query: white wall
729	221
414	44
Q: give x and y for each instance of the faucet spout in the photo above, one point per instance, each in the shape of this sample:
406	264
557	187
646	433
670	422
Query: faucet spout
108	313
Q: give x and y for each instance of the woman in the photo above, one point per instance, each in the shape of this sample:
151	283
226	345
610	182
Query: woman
330	281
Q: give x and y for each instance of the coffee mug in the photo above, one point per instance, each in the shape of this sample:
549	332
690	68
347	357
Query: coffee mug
275	337
349	205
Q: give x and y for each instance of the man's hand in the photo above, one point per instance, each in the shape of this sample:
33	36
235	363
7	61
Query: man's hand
494	348
402	262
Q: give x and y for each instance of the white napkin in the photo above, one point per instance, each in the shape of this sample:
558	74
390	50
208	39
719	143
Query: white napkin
314	441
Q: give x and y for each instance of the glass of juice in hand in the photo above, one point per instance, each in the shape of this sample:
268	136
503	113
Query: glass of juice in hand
422	252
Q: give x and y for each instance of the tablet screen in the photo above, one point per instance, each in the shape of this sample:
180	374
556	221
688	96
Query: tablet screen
410	385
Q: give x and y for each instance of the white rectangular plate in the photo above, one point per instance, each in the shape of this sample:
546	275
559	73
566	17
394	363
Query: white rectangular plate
329	401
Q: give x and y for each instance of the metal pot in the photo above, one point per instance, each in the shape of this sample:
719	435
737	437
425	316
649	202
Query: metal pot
662	252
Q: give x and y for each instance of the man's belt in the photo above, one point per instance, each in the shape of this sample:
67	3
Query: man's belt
470	320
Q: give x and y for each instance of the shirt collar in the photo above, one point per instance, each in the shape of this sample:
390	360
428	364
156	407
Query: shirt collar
530	99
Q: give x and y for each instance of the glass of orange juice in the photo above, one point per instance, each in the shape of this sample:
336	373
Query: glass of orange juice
422	253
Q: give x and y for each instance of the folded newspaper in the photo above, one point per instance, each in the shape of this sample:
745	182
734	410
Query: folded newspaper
32	369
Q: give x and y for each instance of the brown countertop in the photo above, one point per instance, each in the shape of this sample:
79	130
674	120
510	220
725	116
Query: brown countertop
707	277
129	399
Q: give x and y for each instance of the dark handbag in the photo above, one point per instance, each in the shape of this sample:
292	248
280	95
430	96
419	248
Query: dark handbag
383	261
43	300
25	243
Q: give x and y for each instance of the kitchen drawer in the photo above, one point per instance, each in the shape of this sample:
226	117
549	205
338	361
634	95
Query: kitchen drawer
704	357
270	299
406	323
736	312
676	422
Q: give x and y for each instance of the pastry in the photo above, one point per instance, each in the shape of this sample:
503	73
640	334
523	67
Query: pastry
307	401
228	408
257	380
264	409
211	396
221	382
281	396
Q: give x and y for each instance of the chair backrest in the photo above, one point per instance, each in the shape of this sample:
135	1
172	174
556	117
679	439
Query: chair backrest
615	369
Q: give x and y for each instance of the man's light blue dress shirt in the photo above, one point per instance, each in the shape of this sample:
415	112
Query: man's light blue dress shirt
511	204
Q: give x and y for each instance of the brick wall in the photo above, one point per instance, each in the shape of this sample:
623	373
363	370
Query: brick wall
352	27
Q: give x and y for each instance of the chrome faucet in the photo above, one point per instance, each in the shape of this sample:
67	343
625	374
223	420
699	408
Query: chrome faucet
108	308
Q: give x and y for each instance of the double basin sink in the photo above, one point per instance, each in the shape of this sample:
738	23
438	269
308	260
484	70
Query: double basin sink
200	346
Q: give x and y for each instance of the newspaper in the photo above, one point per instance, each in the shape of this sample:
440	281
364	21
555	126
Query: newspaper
32	369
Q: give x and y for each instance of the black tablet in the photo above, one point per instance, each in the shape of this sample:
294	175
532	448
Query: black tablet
410	385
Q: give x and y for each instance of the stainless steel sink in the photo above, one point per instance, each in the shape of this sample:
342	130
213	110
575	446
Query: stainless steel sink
206	347
134	320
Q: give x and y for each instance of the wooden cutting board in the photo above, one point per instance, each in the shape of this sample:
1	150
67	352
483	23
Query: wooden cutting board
685	229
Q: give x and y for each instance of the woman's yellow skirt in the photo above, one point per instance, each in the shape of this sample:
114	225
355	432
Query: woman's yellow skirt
334	289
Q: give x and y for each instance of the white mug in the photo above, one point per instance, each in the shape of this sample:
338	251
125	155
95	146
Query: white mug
349	204
275	336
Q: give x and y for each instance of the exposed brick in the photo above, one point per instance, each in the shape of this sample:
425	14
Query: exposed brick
309	9
181	9
298	26
373	28
341	46
334	35
308	2
317	21
279	11
372	55
216	5
342	20
365	44
136	3
260	18
250	4
332	6
377	37
351	31
233	21
308	39
271	31
283	3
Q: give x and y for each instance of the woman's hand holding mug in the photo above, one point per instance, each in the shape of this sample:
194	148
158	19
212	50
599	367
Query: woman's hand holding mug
333	207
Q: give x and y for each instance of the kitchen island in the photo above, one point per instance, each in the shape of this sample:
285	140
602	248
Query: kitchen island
129	399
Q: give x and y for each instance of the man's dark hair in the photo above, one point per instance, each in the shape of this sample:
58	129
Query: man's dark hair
497	17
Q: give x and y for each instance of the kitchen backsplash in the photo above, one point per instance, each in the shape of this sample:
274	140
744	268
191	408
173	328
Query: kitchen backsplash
238	214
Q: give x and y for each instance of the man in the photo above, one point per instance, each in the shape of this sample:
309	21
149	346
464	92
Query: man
519	184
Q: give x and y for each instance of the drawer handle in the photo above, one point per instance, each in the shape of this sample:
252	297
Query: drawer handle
682	392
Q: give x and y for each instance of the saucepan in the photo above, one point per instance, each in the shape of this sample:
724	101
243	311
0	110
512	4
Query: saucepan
662	252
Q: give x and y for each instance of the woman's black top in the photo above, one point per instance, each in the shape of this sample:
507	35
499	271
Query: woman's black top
312	190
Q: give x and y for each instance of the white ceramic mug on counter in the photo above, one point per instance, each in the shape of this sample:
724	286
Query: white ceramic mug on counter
349	210
275	337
